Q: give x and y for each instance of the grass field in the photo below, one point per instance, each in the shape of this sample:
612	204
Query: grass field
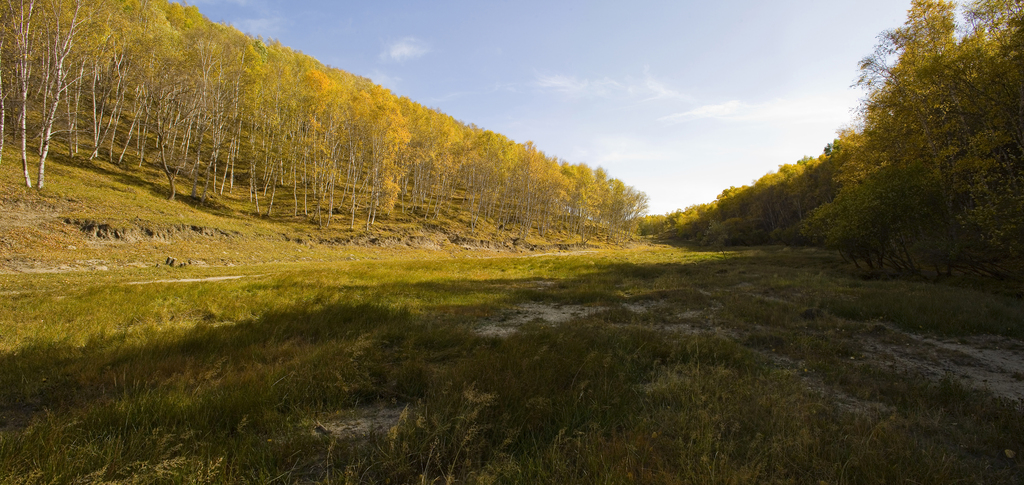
657	364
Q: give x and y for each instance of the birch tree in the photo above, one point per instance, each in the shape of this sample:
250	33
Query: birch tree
65	20
19	20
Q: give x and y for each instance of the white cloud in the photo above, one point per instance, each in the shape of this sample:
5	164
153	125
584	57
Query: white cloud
405	49
815	109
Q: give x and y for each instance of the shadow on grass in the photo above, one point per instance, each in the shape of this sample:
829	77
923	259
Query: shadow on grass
563	403
137	178
55	375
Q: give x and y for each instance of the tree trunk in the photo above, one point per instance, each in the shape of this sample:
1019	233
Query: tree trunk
171	174
62	44
23	131
22	33
3	106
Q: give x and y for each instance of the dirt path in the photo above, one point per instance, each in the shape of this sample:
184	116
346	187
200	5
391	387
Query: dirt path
566	253
196	280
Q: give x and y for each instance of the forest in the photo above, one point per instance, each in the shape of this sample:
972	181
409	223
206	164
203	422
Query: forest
928	178
150	85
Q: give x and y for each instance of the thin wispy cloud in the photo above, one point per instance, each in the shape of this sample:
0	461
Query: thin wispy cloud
509	87
647	89
405	49
804	109
660	91
578	88
707	111
655	89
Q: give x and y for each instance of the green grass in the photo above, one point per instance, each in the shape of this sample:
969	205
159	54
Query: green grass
223	382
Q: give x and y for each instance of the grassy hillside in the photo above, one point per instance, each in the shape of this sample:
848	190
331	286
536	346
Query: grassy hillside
97	215
177	105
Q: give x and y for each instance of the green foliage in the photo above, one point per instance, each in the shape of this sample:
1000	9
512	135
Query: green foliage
886	219
771	211
933	177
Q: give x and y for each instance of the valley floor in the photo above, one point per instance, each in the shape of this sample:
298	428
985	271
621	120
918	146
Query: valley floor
655	364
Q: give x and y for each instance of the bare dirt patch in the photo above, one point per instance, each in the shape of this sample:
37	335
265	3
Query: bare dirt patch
986	362
361	422
643	306
509	322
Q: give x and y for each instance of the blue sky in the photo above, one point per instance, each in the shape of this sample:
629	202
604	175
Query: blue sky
680	99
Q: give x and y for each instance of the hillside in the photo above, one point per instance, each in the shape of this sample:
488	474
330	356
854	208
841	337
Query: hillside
94	215
145	122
